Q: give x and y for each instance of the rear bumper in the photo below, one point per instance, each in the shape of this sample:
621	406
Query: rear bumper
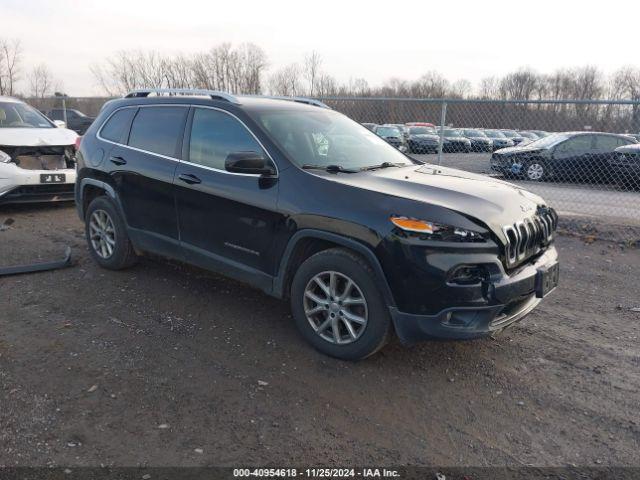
509	299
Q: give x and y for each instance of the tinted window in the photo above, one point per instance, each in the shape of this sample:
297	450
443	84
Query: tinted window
56	115
605	142
158	129
115	127
579	143
214	135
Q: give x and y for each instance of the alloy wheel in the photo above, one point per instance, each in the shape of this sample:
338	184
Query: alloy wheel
102	234
535	171
335	307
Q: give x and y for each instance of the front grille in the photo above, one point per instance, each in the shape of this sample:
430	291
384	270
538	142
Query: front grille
529	236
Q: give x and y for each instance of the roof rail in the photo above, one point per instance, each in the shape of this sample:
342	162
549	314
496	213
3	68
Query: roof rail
215	95
308	101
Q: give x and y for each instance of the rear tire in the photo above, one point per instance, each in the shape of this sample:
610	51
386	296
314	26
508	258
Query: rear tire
329	322
107	238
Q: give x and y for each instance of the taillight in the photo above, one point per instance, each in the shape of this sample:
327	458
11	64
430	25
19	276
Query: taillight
78	141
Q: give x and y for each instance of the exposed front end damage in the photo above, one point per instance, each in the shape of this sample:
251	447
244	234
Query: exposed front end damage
42	173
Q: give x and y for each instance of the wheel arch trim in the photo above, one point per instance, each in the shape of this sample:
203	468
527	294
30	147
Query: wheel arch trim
84	183
350	243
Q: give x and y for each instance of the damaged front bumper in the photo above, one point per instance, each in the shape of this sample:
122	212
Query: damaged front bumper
45	177
509	299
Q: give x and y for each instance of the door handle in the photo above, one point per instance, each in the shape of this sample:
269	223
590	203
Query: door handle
188	178
117	160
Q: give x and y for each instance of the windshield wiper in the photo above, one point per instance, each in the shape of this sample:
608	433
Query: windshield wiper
383	165
329	168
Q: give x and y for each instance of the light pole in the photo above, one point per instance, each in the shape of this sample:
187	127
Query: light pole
63	96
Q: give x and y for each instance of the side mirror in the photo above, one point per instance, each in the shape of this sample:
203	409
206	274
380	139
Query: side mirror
248	163
60	124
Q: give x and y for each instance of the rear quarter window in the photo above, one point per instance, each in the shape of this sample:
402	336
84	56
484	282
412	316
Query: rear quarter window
115	127
158	129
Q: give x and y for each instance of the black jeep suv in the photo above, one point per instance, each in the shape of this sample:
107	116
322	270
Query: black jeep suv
305	204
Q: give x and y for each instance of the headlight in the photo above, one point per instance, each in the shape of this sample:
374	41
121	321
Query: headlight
436	231
4	157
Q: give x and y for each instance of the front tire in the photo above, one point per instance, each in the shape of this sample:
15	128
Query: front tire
337	306
536	171
107	238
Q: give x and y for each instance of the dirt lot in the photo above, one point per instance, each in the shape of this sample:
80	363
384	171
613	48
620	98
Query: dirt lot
165	365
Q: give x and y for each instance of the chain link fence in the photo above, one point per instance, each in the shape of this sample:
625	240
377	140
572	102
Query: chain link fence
582	157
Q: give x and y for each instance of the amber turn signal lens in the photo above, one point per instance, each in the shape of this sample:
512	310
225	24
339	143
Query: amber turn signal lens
412	225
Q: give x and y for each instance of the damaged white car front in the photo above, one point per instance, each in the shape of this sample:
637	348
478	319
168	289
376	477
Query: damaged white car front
37	157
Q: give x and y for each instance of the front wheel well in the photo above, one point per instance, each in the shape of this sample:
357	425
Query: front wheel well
303	249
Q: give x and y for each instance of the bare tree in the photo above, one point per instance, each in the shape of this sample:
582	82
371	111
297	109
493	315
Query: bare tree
311	66
287	81
40	81
489	88
518	85
10	60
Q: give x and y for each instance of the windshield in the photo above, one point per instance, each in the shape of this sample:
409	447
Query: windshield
21	115
473	133
328	138
510	134
494	134
388	131
452	133
530	135
548	141
421	131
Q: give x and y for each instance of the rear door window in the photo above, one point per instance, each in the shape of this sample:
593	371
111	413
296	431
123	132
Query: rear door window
117	125
607	143
158	129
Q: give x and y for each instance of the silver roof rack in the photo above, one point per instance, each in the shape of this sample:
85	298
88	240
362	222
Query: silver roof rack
308	101
215	95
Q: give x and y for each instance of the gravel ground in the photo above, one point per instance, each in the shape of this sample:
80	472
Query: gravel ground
169	365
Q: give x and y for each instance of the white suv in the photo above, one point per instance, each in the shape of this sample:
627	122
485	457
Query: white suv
37	156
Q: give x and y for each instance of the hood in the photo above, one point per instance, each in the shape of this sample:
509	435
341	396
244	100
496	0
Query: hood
457	139
493	202
519	149
480	139
34	137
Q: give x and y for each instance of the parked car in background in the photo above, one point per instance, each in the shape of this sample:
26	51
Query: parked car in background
625	166
454	141
370	126
514	136
420	124
528	135
539	133
423	140
37	158
479	140
76	120
498	138
364	242
568	156
392	135
403	128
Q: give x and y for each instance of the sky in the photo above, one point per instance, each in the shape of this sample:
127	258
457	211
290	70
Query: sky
371	39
